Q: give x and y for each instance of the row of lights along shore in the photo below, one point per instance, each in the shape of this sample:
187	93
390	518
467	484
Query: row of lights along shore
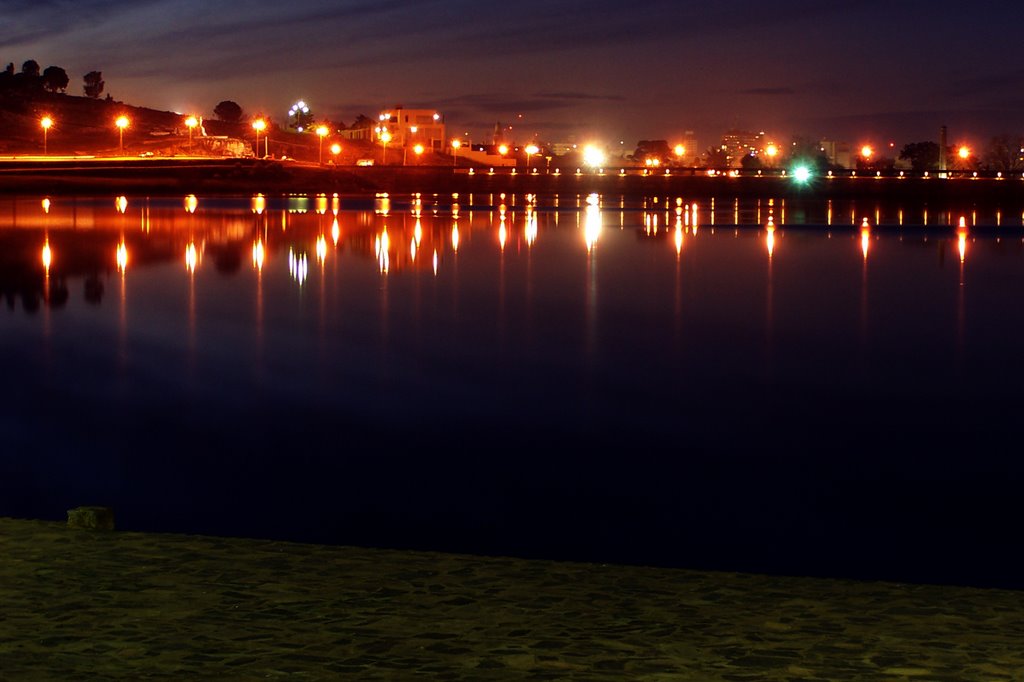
592	156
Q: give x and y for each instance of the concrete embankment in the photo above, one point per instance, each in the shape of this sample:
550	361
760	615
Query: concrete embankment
246	176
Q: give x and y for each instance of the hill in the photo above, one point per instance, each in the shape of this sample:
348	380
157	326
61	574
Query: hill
85	126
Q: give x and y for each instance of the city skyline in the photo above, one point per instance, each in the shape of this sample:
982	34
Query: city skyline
601	71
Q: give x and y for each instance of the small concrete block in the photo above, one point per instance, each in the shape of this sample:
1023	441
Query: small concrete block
92	518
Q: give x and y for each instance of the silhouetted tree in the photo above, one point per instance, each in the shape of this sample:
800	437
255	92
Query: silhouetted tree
652	149
55	79
7	77
362	121
30	68
228	111
716	157
751	162
93	84
1005	153
923	156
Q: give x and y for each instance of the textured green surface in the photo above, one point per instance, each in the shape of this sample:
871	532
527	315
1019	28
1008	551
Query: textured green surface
79	604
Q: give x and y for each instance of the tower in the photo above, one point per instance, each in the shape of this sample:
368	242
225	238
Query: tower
942	148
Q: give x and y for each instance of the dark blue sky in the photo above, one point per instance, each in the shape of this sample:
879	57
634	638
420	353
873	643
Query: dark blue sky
869	70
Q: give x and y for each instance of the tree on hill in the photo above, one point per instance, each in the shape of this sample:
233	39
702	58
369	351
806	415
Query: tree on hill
55	79
228	111
93	84
362	121
30	68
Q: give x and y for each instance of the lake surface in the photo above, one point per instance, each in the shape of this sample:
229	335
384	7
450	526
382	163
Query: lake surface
756	385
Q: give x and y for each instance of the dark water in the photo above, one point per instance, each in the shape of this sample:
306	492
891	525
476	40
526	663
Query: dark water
773	388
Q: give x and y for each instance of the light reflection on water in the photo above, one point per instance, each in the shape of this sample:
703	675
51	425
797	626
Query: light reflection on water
539	367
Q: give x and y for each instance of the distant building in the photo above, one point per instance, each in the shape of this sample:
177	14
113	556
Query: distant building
839	153
408	127
739	143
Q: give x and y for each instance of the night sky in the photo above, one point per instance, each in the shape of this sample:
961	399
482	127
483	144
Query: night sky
564	70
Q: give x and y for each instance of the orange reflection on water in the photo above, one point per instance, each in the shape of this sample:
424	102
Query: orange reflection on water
961	238
47	256
321	249
865	237
335	232
455	237
258	254
122	256
531	226
592	221
769	239
382	246
191	257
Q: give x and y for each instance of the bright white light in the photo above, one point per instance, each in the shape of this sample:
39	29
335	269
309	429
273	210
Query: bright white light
801	174
592	156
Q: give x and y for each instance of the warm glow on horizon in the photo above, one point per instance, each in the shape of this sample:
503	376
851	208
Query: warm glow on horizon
964	152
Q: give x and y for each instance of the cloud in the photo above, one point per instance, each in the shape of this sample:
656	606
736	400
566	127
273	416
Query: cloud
768	91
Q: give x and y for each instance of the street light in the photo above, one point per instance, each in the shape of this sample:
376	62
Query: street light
46	123
866	151
321	131
679	151
258	125
335	150
385	137
191	122
503	149
122	122
530	150
964	152
772	151
455	151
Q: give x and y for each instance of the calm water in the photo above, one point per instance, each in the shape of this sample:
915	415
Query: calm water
732	385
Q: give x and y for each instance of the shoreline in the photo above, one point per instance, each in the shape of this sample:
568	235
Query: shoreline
248	176
127	604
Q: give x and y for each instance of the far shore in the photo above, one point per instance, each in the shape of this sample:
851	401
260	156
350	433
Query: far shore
184	175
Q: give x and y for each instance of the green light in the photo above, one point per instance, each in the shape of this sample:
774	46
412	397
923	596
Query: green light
801	174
